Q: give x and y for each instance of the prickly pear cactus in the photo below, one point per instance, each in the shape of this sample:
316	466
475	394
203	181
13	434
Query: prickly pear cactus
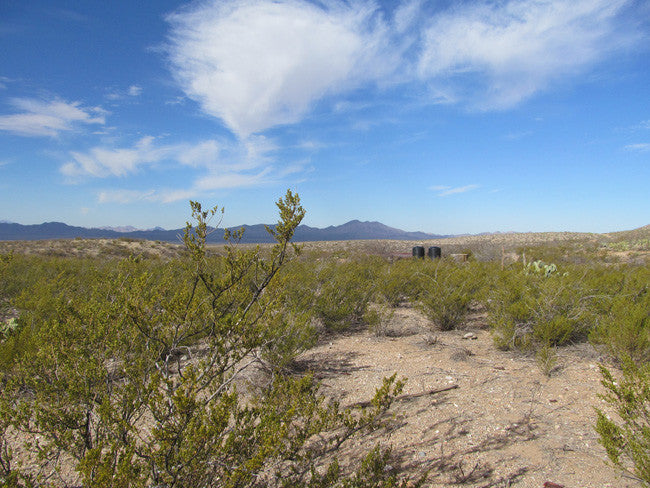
7	326
540	267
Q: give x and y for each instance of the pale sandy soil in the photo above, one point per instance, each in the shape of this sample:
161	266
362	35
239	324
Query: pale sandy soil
507	424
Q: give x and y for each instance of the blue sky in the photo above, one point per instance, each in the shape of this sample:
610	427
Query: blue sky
441	116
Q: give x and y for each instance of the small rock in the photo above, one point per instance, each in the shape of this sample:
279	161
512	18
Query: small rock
550	484
470	335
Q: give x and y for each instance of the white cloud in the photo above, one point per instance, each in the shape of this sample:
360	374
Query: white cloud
202	185
498	54
216	166
257	64
169	196
121	94
201	154
210	155
125	196
407	15
222	180
295	168
48	118
513	136
102	161
135	91
643	147
444	191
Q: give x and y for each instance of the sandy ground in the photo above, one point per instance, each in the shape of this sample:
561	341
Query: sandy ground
506	423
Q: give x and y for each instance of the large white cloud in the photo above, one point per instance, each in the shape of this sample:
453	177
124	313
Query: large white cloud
257	64
48	118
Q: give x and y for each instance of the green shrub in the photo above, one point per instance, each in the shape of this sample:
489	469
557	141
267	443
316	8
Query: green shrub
445	291
529	311
623	303
129	375
397	282
627	439
546	359
625	330
635	245
343	292
289	300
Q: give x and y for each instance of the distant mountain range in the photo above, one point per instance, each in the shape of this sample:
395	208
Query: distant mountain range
353	230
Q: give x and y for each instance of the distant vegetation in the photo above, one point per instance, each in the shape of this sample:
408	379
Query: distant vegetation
122	362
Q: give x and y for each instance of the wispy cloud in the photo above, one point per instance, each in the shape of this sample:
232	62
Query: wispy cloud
217	165
105	161
258	64
643	147
135	90
100	161
48	118
497	54
201	186
222	180
513	136
444	191
125	196
67	15
120	94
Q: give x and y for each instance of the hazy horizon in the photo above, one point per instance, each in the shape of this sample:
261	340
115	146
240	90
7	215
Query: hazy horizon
129	228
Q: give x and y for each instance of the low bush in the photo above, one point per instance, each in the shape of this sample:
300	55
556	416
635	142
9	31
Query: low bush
397	282
446	290
130	379
289	299
624	326
532	311
343	292
627	437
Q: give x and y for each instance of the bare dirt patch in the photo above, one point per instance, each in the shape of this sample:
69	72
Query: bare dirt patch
506	423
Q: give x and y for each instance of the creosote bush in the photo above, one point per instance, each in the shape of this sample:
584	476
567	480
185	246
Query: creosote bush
446	289
343	292
398	282
128	376
627	438
533	311
624	311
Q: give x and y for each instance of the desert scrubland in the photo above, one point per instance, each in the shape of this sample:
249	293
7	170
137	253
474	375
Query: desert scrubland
135	363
